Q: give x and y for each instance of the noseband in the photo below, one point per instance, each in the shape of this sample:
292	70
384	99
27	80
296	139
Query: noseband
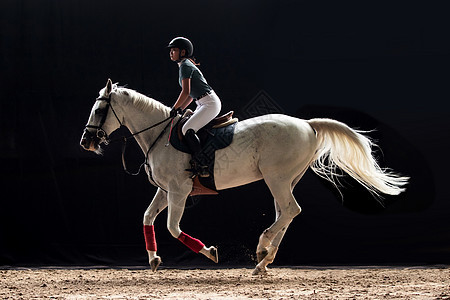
100	132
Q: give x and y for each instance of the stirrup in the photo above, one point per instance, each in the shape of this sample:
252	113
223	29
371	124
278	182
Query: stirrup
203	171
197	170
200	173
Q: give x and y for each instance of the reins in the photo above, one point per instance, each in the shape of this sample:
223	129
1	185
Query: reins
140	131
124	146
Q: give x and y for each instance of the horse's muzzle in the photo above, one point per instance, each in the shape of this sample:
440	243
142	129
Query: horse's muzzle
88	141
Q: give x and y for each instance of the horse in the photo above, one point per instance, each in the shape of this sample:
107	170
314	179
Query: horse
275	148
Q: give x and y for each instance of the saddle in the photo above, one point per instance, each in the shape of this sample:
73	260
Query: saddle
216	135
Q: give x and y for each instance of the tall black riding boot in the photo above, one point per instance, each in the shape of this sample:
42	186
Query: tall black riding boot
193	143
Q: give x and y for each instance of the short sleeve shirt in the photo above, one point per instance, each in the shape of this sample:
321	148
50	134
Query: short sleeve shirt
199	86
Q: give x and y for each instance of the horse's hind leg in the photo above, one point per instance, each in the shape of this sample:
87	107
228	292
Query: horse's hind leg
158	204
275	242
286	209
279	237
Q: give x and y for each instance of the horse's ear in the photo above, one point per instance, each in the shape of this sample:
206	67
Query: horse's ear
108	86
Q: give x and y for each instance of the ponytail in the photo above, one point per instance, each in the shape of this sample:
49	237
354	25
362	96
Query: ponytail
193	60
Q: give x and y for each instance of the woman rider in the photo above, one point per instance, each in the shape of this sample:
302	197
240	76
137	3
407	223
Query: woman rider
193	87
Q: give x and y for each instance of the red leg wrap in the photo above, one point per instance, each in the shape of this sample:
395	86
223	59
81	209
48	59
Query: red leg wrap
193	244
149	234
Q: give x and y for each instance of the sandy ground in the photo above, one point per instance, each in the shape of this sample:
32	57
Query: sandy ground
237	283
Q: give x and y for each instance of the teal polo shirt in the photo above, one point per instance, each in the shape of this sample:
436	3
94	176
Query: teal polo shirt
199	86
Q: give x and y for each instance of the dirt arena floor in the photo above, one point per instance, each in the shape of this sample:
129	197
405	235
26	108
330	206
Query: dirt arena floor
233	283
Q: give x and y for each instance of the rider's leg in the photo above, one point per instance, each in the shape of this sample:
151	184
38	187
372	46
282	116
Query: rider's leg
193	142
208	108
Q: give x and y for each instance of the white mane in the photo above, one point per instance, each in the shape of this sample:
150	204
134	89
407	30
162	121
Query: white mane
141	102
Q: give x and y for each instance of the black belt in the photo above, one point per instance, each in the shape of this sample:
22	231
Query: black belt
204	95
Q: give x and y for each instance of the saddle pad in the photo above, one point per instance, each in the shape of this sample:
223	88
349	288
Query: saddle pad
212	139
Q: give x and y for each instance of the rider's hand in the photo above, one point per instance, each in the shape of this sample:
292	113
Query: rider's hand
175	111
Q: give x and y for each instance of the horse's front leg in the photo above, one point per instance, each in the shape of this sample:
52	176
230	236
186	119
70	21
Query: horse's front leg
176	204
158	204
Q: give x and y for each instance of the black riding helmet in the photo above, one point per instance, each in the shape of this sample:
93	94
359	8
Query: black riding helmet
182	44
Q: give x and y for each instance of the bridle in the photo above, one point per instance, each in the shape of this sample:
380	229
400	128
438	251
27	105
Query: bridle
100	132
104	138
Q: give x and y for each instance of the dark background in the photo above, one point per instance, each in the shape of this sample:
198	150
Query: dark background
373	65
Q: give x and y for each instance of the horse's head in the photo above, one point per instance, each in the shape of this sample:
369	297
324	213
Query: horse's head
101	122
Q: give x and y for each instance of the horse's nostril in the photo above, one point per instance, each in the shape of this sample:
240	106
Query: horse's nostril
83	142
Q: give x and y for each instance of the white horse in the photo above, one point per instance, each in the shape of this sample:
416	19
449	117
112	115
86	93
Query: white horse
276	148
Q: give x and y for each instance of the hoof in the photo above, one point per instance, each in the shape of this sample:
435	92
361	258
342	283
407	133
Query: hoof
259	271
155	262
213	254
261	255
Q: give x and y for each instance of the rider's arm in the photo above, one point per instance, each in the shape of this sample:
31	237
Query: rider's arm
186	103
184	99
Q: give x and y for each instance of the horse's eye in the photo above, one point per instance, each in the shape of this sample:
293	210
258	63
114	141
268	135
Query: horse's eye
99	111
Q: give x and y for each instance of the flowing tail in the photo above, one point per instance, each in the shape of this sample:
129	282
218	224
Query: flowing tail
346	148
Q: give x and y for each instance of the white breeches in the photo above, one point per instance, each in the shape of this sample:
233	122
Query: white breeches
207	109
